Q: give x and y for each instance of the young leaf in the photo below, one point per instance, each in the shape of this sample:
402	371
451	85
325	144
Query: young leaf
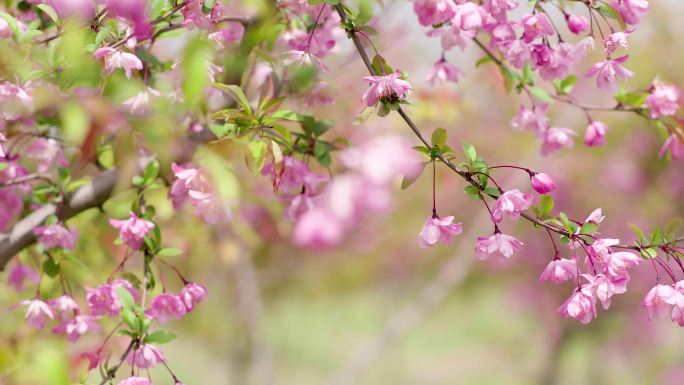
469	152
236	93
545	205
411	177
439	137
159	337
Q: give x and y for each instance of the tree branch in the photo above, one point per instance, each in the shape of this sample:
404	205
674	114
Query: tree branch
21	234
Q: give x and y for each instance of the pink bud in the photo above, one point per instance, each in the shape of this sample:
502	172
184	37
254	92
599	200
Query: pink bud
595	134
577	24
542	183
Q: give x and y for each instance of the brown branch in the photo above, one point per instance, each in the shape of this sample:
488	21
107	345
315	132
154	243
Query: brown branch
21	234
111	373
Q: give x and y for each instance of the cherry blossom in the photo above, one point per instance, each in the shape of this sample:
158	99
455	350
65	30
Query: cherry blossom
133	230
559	271
499	245
385	86
438	230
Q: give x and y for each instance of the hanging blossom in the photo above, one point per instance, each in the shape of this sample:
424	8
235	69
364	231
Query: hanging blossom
146	356
438	230
500	246
135	381
47	152
674	145
192	294
191	184
390	87
364	190
20	273
595	134
609	71
579	306
113	59
166	306
56	235
512	203
663	100
559	271
37	312
442	72
132	231
77	327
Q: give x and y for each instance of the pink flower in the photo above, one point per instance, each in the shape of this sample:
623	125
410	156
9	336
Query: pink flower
675	145
609	71
386	86
536	25
164	306
595	134
661	299
19	273
145	357
135	11
135	381
305	59
438	229
602	288
433	11
47	152
114	59
197	17
186	178
296	176
103	301
133	230
577	24
532	119
615	40
663	100
579	306
542	183
318	228
83	9
470	16
231	33
559	271
37	312
56	235
192	294
92	357
596	216
498	245
556	138
631	10
64	306
442	72
618	263
140	103
124	284
77	326
511	202
11	204
209	207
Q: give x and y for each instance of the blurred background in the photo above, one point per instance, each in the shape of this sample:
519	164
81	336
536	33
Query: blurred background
379	310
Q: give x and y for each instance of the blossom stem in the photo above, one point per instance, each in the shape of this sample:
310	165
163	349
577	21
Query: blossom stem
434	199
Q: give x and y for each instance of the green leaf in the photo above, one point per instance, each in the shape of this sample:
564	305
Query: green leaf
439	137
469	151
380	65
151	172
51	268
130	319
540	94
322	153
649	253
257	152
169	252
287	115
49	11
671	229
194	69
125	298
656	236
472	192
484	60
545	205
589	228
492	191
11	23
638	232
237	94
365	13
566	85
159	337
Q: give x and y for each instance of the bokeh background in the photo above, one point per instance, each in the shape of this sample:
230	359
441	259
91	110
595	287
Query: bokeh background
379	310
